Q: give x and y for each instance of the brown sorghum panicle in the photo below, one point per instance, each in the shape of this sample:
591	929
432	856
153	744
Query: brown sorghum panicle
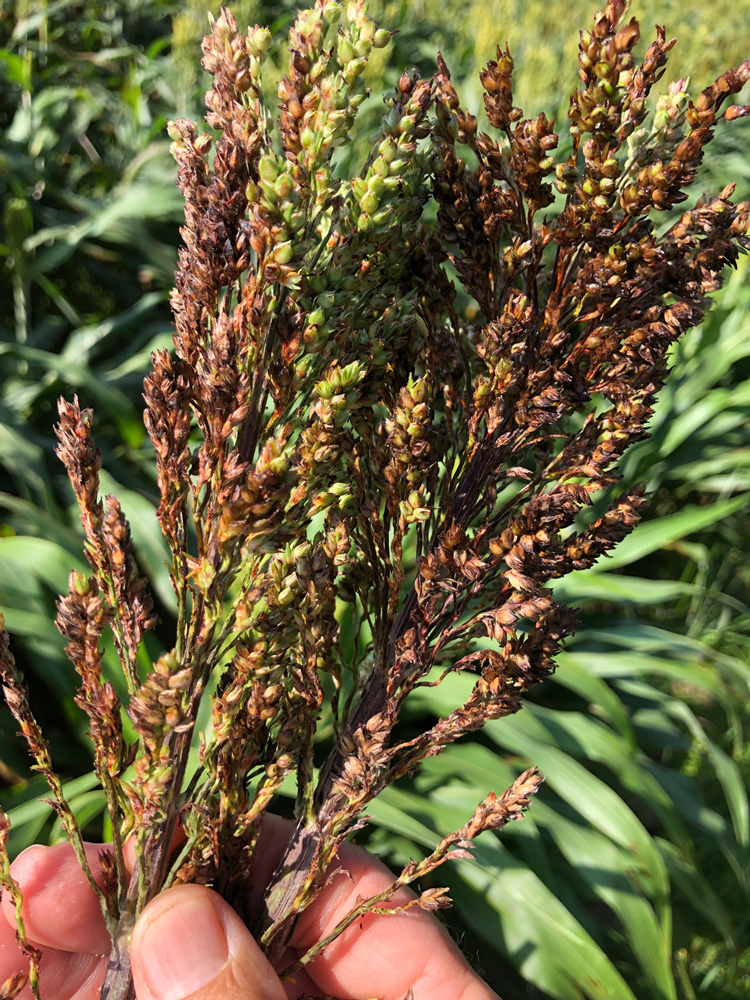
364	487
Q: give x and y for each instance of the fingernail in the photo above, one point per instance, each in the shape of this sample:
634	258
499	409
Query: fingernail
183	946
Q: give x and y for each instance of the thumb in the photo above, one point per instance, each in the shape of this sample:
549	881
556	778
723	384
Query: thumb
189	943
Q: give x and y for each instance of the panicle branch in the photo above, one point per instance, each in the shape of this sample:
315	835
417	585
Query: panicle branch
491	814
12	986
108	546
16	698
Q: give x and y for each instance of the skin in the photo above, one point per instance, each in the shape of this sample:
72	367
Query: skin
189	943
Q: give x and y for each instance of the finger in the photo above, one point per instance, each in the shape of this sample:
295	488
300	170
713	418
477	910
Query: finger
302	985
63	975
189	943
273	841
66	976
129	853
60	909
12	959
381	955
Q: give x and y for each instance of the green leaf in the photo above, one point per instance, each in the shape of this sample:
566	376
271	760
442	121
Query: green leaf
726	770
699	892
598	695
135	201
526	734
28	519
596	585
87	807
624	663
597	803
22	459
45	559
596	861
87	342
73	374
553	951
605	867
17	69
28	819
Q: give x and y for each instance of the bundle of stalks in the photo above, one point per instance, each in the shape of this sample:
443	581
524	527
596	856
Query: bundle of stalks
335	442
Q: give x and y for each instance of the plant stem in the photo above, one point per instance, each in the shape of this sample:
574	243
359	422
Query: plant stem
118	980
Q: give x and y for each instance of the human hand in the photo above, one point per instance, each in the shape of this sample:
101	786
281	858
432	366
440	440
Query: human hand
189	943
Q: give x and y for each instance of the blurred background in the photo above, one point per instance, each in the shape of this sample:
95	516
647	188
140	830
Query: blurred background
629	878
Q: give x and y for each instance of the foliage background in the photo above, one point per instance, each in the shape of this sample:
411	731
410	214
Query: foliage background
630	876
